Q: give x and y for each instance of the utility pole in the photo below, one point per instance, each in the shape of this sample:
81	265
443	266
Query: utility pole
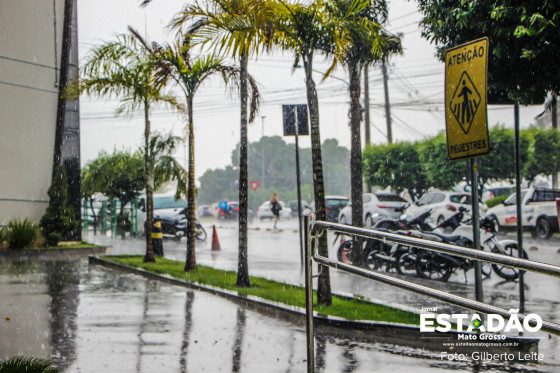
366	105
387	104
554	115
263	117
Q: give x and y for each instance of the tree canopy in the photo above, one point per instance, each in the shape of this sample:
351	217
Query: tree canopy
524	39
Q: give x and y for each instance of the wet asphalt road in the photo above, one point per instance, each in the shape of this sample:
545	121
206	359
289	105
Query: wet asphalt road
276	255
89	319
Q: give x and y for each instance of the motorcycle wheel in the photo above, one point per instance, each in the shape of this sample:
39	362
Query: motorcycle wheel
372	261
345	252
505	272
406	264
200	233
429	266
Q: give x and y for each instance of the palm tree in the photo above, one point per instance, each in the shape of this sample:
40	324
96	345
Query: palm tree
366	42
166	167
304	30
177	62
125	68
240	28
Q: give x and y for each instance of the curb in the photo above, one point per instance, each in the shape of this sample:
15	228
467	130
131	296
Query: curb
368	331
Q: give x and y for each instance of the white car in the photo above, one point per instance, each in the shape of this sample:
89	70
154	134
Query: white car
538	211
443	205
264	211
383	204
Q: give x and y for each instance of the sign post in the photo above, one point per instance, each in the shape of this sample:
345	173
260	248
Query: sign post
466	119
295	121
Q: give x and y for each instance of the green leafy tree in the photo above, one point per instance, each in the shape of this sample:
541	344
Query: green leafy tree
545	157
122	177
396	165
125	68
58	220
500	164
440	172
92	183
524	39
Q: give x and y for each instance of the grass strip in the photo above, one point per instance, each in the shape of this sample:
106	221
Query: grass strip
352	309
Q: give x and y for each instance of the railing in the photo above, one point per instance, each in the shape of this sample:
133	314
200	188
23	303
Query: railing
315	229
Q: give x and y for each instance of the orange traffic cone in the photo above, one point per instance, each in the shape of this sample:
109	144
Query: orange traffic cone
215	241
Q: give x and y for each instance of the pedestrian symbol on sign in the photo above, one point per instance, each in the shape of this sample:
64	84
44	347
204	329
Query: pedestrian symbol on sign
465	102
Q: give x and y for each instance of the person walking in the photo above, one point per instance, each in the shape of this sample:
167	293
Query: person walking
275	207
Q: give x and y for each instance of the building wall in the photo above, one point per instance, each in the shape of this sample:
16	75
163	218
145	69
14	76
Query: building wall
29	63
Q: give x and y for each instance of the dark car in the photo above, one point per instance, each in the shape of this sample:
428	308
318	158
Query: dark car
294	206
333	205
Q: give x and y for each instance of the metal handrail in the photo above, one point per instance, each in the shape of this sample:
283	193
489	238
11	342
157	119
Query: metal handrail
315	229
510	261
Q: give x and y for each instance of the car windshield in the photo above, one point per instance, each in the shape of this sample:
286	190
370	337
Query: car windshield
511	199
463	199
390	198
168	203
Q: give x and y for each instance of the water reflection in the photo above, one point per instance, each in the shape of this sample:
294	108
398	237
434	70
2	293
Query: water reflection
186	331
62	281
238	343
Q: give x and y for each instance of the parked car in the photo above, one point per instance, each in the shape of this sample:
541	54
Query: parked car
463	187
333	205
538	212
382	204
206	211
501	191
264	212
443	205
294	206
233	213
166	208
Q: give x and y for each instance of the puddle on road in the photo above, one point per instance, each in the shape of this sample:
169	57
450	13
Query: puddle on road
90	319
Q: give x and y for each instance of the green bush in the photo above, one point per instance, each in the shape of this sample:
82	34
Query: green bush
495	201
59	219
20	234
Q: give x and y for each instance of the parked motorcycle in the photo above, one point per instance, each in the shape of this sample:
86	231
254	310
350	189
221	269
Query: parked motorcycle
440	266
378	253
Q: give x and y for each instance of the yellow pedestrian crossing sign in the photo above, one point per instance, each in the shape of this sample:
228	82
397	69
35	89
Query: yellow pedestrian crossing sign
465	100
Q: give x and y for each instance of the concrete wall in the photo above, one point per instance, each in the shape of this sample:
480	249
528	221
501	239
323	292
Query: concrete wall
29	63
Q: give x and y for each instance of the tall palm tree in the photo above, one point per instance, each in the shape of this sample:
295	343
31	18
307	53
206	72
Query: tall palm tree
189	73
366	42
125	68
239	28
303	28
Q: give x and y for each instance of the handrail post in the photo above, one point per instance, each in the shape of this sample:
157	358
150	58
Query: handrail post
309	298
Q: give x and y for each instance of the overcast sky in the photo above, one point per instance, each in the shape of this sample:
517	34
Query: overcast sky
416	84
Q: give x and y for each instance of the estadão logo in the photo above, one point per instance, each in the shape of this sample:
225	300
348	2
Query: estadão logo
431	322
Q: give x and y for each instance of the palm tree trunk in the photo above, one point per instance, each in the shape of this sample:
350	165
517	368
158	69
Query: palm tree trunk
149	257
191	219
324	285
356	155
242	264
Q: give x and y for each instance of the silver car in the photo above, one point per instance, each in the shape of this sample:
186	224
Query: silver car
382	204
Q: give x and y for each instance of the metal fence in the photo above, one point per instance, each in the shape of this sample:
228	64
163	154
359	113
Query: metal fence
106	216
314	229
